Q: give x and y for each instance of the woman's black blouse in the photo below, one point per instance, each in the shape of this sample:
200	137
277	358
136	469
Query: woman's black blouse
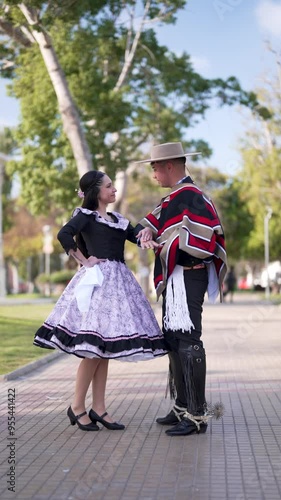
94	237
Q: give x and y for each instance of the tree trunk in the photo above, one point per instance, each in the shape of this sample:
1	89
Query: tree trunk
2	260
70	118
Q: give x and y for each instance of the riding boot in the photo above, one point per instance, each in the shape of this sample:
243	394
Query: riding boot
193	363
177	380
177	391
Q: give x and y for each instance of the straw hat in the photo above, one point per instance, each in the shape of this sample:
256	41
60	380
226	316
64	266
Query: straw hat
167	151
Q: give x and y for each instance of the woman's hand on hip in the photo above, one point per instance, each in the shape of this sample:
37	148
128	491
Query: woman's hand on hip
92	261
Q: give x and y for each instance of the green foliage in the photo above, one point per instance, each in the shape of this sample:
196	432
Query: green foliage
7	142
24	239
236	219
209	179
160	97
261	172
61	277
7	147
261	178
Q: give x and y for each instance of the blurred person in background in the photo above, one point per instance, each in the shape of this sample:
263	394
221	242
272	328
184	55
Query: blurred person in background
230	283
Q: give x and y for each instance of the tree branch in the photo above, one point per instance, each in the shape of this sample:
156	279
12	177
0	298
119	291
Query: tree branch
6	64
16	34
131	54
31	14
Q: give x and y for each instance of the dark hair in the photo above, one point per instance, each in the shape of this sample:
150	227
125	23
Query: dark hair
90	185
181	160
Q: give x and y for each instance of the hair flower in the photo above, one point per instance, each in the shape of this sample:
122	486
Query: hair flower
80	193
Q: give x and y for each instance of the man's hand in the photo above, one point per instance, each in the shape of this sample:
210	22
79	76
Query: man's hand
145	234
149	244
146	239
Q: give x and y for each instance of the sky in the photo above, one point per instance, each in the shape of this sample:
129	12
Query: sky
224	38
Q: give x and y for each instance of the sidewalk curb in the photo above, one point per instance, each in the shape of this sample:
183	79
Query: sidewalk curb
33	365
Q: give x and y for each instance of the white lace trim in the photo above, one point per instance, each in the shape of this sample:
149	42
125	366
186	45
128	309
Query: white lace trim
122	222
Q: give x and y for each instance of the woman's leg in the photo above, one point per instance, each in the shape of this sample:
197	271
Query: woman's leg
98	388
85	373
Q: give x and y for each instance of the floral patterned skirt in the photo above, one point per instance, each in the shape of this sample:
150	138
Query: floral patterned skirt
119	323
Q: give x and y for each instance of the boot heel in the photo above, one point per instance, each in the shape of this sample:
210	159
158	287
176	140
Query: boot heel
71	416
203	428
74	419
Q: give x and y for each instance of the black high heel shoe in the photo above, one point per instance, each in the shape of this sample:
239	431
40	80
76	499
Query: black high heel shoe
74	419
113	426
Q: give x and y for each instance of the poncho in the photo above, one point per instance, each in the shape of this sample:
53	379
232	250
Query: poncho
186	220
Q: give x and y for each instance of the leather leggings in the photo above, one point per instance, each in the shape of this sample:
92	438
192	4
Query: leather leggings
187	354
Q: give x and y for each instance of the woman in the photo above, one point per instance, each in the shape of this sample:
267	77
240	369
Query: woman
103	313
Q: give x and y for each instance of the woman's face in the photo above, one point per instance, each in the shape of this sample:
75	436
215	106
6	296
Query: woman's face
107	191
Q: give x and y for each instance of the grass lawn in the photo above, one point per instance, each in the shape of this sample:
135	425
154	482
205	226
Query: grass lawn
18	325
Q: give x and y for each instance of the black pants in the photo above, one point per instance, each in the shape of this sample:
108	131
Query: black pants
187	354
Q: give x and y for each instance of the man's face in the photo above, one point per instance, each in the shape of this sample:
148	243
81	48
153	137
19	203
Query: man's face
161	173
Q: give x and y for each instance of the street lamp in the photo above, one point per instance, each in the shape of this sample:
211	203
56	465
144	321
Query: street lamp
47	250
266	249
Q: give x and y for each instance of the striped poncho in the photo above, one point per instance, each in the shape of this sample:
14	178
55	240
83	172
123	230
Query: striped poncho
186	220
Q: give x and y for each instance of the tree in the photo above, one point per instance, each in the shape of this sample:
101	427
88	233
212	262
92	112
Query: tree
236	219
127	87
7	146
23	24
24	245
261	171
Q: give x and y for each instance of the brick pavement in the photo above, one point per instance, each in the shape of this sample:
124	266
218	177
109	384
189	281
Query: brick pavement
238	458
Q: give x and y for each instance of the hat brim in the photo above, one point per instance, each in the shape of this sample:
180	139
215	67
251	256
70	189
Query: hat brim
150	160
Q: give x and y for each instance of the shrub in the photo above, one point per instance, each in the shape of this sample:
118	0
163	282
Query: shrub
62	277
58	277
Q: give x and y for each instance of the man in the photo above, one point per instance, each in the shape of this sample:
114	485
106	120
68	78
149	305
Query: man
185	231
230	282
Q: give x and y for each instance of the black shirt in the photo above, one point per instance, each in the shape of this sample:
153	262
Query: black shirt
96	236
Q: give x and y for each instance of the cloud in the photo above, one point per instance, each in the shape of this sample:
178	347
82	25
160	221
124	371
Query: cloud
268	14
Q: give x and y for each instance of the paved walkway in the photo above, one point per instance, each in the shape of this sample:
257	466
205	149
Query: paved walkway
238	458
